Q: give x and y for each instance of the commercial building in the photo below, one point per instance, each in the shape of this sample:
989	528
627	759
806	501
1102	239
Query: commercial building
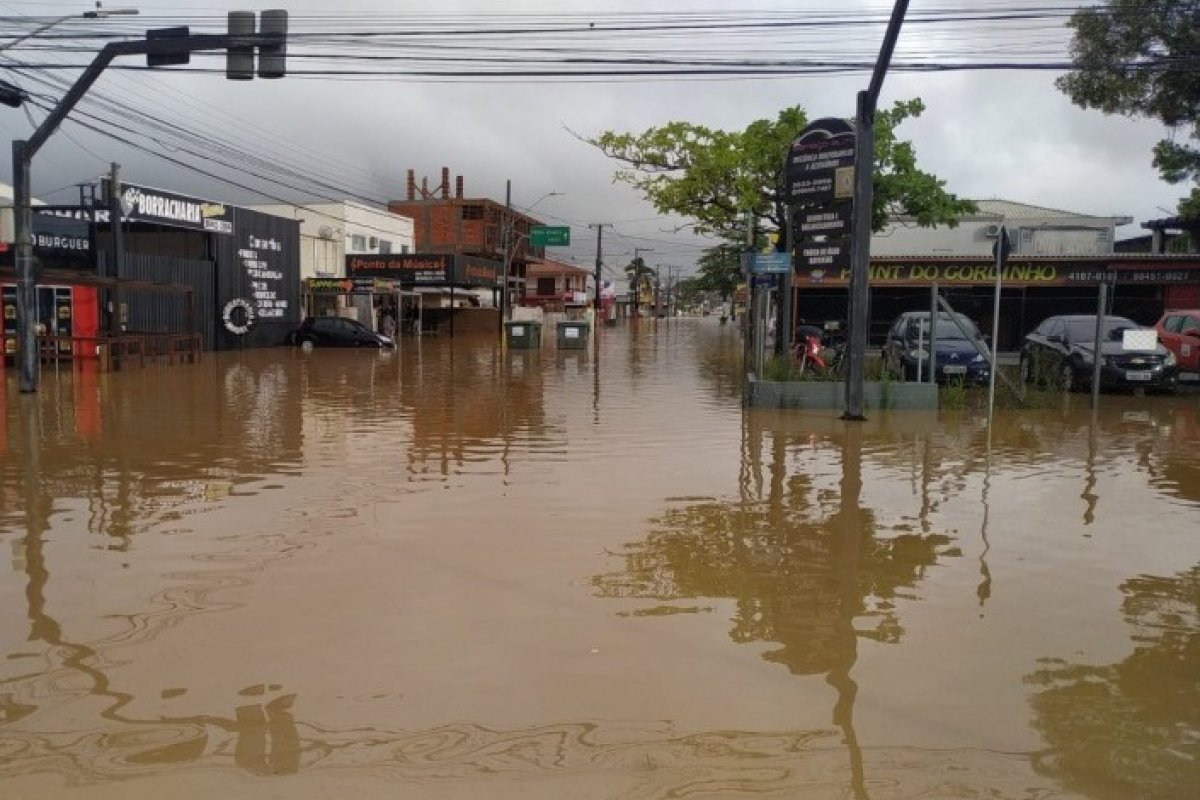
1057	262
187	266
329	234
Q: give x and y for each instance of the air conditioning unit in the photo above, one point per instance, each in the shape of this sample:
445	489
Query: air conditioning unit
325	232
991	231
372	242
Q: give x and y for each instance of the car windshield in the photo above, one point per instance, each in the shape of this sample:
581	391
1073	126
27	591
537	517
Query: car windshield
946	329
1084	330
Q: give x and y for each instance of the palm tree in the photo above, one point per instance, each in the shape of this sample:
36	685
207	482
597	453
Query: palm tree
639	275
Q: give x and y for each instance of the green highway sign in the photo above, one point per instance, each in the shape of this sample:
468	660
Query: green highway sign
549	236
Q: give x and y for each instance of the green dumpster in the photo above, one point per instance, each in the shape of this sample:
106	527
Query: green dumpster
524	335
572	335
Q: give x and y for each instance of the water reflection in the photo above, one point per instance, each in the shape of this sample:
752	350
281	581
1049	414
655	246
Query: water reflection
136	456
1130	729
807	566
831	550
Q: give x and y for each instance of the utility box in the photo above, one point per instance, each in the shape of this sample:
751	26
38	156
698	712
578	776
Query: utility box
524	335
572	335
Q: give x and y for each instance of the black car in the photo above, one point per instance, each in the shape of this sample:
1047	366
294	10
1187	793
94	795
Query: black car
960	348
1059	353
338	332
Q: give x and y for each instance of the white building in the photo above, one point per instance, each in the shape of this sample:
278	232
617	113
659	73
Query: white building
1032	230
331	231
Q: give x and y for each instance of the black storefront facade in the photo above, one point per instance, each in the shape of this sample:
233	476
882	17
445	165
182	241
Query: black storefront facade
1033	288
227	273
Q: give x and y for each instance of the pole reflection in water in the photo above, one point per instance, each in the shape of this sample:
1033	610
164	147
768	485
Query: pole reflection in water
803	565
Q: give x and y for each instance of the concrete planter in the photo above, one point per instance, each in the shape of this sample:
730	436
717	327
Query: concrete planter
830	395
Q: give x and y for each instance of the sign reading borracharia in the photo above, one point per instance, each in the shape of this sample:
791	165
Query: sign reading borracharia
159	207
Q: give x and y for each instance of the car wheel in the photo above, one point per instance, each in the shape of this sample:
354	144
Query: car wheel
307	344
1066	380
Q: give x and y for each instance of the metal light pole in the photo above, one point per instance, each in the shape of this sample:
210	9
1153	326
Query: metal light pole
860	247
510	247
23	152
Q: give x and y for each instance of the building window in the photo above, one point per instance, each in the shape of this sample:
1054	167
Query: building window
404	248
358	242
545	287
472	212
385	247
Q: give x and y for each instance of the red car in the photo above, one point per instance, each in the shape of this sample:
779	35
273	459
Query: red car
1179	331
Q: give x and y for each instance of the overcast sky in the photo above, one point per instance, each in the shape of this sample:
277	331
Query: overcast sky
1002	134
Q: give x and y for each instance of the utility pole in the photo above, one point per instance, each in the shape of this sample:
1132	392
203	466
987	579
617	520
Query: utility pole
860	244
657	288
507	233
117	251
599	226
750	318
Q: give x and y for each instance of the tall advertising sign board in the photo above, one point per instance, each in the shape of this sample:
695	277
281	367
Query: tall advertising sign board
819	190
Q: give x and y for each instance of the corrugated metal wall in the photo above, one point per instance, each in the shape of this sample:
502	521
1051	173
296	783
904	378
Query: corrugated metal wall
161	311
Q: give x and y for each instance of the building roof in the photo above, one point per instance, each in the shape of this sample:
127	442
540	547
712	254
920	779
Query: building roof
548	267
996	207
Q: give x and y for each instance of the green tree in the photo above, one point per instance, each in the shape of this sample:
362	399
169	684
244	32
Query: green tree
715	176
720	270
1139	58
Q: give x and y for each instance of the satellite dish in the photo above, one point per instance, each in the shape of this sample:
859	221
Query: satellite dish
325	232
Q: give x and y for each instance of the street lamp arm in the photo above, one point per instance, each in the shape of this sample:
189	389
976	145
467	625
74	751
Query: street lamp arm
98	13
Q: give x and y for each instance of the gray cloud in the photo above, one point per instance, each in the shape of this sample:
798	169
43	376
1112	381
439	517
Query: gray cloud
988	134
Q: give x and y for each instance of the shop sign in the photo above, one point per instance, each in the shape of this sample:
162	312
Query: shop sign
374	285
984	273
159	207
410	269
329	285
827	256
470	271
833	221
60	241
820	166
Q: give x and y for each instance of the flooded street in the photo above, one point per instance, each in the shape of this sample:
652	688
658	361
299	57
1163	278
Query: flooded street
453	572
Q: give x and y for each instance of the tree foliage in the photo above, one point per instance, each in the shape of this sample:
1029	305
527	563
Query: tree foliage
720	269
1140	58
715	176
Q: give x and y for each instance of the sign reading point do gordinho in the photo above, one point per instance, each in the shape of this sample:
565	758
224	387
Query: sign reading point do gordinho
549	236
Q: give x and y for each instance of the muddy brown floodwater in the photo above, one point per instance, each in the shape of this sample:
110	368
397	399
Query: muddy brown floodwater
460	573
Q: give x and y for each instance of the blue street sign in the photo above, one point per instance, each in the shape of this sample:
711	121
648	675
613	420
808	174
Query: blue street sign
770	263
764	280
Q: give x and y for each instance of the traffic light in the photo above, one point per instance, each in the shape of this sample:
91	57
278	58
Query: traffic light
272	57
271	41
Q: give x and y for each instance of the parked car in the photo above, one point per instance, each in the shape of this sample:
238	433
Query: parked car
1059	352
338	332
1179	332
960	348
